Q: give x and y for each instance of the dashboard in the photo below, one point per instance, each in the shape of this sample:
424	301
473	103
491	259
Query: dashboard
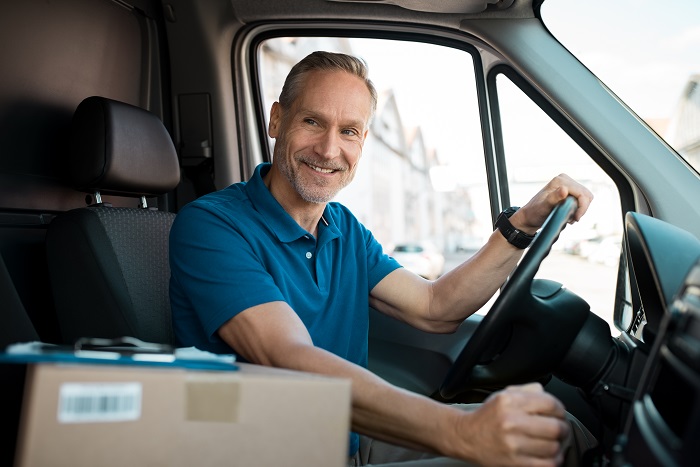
663	425
660	255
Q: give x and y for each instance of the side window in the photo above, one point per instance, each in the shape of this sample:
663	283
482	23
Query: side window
421	184
585	258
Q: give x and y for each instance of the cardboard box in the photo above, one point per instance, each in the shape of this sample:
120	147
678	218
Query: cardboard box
106	415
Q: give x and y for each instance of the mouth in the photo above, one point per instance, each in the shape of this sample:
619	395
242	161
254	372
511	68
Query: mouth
320	169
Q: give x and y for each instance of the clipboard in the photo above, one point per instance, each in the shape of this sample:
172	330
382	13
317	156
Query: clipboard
119	351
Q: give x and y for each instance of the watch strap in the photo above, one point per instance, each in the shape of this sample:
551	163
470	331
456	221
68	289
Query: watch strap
515	237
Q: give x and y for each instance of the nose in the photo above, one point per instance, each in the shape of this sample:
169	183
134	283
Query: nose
328	145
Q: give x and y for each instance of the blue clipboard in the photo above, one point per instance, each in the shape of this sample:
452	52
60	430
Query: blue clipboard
121	351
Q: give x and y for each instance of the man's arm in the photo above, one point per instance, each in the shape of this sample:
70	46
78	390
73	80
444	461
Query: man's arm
441	305
522	425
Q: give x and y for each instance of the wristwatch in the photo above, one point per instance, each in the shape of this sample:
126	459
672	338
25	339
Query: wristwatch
514	236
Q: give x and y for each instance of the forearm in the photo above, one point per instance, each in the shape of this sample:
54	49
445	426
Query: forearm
441	306
273	335
379	409
465	289
497	433
519	426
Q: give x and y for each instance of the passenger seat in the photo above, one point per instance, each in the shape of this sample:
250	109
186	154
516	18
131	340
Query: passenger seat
15	324
108	266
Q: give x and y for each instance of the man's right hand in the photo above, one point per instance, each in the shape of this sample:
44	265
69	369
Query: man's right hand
520	425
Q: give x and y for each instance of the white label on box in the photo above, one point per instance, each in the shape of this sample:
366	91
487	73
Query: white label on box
99	402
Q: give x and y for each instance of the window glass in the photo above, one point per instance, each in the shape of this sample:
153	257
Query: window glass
586	256
421	184
646	51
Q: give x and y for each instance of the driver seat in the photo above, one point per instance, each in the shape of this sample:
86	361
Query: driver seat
108	265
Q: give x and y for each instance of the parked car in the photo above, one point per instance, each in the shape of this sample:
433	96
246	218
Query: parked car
423	258
186	86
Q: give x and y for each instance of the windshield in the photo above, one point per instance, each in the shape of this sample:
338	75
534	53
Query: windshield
647	52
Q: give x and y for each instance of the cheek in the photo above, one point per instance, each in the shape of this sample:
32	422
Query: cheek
353	153
297	140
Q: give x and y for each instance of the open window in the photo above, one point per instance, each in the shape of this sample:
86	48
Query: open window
534	149
422	186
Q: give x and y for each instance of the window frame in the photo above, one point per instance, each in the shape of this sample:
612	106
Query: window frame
626	286
488	64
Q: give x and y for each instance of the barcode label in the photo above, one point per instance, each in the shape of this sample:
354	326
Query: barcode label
99	402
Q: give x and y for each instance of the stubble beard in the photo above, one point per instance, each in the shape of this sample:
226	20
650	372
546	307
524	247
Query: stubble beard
311	193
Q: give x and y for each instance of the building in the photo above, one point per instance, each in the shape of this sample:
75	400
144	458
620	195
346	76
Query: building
392	192
683	132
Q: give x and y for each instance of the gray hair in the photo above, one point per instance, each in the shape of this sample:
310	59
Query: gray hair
326	61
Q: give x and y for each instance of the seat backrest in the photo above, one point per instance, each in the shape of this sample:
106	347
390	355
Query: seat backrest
109	265
15	324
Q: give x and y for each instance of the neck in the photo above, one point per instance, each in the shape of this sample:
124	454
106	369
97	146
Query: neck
306	214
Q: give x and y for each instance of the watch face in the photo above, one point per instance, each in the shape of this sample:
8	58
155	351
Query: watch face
514	236
510	211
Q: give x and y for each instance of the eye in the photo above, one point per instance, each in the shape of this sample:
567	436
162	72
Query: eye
310	121
349	132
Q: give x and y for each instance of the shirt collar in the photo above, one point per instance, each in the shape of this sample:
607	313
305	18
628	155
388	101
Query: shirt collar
277	219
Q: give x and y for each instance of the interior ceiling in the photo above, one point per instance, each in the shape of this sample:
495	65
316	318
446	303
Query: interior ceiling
443	13
442	6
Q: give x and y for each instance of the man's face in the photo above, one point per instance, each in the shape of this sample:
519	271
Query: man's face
320	138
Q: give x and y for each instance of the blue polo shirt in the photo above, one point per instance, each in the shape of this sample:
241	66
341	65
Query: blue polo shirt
237	248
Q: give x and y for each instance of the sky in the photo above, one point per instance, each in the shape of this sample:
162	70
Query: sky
644	50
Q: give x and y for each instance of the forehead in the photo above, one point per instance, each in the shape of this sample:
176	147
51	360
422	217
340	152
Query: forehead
339	93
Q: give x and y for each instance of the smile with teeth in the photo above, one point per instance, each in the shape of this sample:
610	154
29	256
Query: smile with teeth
321	170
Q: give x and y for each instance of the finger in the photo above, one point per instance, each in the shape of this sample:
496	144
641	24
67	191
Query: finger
538	439
582	194
528	387
540	447
534	401
584	201
546	428
571	188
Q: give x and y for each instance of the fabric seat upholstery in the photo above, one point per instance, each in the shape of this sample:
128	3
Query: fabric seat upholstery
15	324
109	265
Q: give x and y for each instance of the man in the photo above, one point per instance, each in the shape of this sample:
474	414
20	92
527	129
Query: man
274	271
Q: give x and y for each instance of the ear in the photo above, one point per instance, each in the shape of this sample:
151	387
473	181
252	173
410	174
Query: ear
275	119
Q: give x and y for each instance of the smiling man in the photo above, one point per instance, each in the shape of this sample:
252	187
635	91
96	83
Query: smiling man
319	139
274	271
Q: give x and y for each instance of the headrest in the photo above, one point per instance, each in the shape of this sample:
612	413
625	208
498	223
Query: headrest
120	149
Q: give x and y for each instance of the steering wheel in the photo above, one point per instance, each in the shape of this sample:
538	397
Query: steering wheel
529	327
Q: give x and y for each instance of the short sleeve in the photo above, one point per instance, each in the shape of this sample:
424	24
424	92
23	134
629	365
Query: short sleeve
215	269
379	264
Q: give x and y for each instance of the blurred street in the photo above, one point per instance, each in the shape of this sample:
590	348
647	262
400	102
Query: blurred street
594	282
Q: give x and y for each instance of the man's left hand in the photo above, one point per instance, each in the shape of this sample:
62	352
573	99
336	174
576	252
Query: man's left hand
530	217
